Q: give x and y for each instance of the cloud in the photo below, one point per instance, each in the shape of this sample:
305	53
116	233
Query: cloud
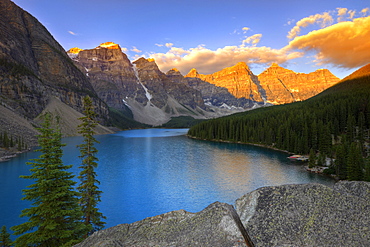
134	49
341	13
168	45
289	22
351	14
245	29
364	11
345	44
323	20
207	61
73	33
124	49
254	39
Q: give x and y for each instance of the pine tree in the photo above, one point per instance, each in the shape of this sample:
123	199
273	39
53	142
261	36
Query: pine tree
90	194
312	159
355	163
341	161
6	140
5	240
55	215
367	170
11	143
19	144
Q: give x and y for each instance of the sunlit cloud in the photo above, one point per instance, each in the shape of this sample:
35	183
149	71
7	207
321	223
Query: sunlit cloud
254	39
73	33
345	44
351	14
340	40
124	49
341	13
207	61
324	20
134	49
289	22
245	29
364	11
159	45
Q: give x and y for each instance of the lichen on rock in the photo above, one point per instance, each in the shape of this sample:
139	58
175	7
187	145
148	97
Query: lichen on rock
213	226
308	215
287	215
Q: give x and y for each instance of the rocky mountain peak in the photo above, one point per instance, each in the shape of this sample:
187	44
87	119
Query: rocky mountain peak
174	73
74	50
285	86
106	57
240	65
109	45
146	63
238	79
192	73
277	69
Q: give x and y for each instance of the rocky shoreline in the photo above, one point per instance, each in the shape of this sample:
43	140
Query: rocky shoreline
7	154
287	215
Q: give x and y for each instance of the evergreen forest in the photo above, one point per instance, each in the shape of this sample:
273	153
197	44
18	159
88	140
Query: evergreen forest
333	126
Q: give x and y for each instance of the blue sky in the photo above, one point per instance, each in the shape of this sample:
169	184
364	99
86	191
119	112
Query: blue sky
211	34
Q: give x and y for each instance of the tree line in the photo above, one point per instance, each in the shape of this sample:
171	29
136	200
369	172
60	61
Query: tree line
60	215
9	141
334	124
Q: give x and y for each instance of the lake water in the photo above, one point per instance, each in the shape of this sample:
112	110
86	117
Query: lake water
149	172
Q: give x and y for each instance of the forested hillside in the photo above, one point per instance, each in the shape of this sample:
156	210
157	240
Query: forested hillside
333	124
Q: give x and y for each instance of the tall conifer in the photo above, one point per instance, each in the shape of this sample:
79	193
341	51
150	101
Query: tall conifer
355	162
5	240
90	194
55	216
312	159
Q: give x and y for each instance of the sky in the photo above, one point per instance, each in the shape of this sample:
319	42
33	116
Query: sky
210	35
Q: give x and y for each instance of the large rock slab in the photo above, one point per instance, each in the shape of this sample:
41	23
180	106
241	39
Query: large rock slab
287	215
308	215
216	225
356	188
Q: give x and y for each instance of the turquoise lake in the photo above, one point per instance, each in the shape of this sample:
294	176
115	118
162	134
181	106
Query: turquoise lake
153	171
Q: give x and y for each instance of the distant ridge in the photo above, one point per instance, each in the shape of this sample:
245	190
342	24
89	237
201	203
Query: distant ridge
363	71
359	80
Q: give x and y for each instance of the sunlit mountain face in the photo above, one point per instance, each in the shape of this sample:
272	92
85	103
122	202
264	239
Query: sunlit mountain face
75	50
109	45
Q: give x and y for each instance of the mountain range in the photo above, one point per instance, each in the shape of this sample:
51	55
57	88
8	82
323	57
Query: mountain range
37	75
276	85
154	97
